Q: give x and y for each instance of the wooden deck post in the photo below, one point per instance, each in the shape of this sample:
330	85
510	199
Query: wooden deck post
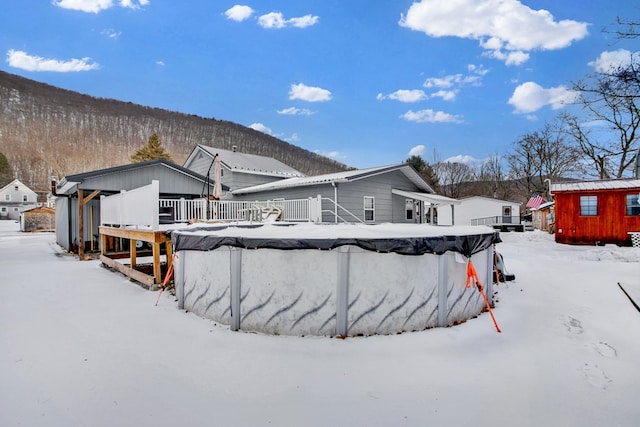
81	202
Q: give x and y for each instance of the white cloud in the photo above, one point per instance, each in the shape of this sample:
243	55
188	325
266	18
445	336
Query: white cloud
451	84
331	154
111	33
461	158
95	6
404	95
309	93
277	20
418	150
261	128
132	4
611	60
239	13
293	111
430	116
506	29
24	61
304	21
160	63
293	138
446	95
530	97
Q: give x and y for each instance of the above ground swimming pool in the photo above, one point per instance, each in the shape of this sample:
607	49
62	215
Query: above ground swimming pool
332	279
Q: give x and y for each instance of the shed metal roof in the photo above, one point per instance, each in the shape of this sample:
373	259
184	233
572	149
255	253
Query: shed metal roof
601	184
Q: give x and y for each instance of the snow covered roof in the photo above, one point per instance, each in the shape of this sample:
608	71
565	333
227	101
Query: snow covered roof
249	163
600	184
338	177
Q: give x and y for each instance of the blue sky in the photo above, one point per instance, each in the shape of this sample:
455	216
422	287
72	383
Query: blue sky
365	82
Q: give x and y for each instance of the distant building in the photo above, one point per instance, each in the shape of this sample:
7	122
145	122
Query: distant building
15	198
481	210
42	218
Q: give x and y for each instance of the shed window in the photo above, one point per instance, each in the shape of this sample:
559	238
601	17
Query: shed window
369	208
588	205
633	204
408	203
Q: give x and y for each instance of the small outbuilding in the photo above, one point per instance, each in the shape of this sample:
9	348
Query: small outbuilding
38	219
597	212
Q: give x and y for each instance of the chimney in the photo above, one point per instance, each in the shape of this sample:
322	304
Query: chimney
53	186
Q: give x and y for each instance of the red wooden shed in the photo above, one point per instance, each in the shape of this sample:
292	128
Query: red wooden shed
597	212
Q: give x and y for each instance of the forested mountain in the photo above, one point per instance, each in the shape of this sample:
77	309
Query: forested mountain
47	131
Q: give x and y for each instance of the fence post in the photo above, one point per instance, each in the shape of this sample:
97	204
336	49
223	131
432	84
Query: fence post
342	300
121	208
443	278
236	286
155	189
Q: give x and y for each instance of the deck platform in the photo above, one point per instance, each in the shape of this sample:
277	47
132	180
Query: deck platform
110	252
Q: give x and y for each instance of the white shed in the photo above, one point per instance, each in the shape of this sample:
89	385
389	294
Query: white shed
480	210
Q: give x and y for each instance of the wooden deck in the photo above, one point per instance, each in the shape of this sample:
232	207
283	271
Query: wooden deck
110	252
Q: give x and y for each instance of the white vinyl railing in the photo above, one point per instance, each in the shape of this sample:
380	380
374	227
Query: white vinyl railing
182	210
142	207
138	207
494	220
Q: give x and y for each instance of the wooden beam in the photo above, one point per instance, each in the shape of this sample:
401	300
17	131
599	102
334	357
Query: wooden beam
128	271
157	271
93	194
132	252
80	225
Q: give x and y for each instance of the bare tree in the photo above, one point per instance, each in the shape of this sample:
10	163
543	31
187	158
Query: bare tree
453	177
541	155
492	180
608	135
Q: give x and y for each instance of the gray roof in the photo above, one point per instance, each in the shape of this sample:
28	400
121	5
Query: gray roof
250	163
338	177
600	184
116	176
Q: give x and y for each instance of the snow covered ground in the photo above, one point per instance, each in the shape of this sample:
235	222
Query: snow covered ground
83	346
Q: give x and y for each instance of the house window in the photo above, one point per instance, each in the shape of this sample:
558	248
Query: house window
588	205
408	204
16	188
369	208
4	210
633	204
7	197
15	209
25	198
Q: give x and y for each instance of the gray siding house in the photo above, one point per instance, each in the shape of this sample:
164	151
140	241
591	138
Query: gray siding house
376	195
15	198
81	193
238	169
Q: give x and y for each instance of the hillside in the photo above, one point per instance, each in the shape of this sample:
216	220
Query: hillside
47	131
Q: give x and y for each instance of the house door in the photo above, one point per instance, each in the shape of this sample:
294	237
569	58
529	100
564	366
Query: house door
506	214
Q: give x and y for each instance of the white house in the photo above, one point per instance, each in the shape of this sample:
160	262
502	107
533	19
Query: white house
480	210
15	198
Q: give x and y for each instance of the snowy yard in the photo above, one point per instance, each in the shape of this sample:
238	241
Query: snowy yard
83	346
